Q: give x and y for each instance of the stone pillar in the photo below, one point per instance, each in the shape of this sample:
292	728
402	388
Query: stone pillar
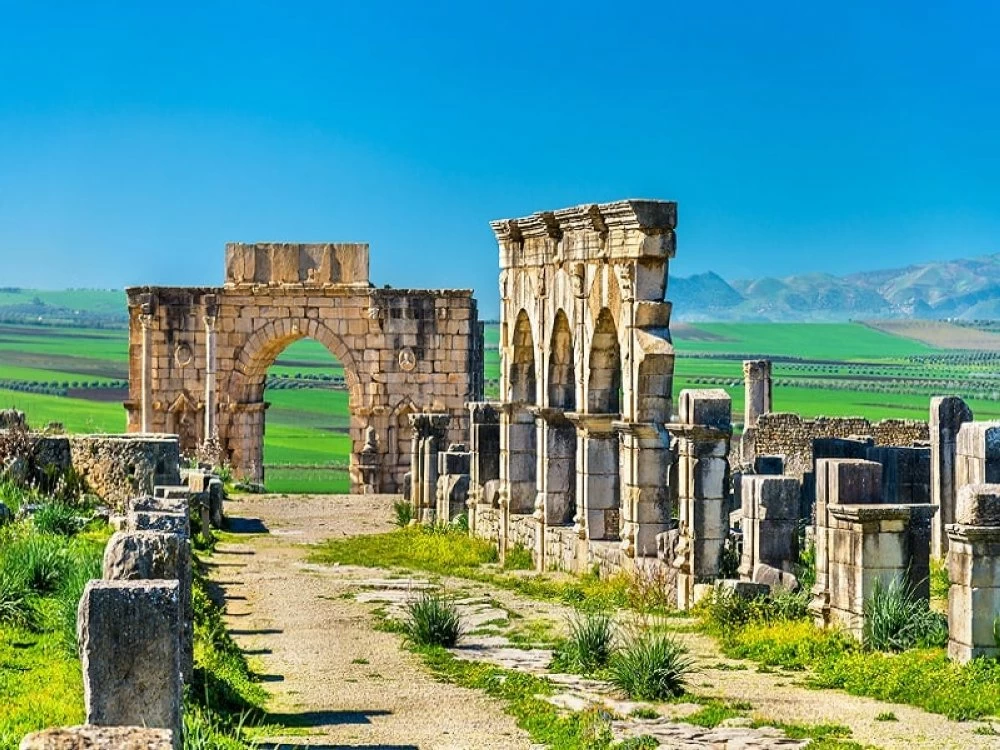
839	481
645	464
974	572
757	390
869	543
518	467
130	653
453	482
428	432
146	410
598	491
947	415
770	509
484	445
977	454
556	467
484	449
703	477
906	473
156	555
210	366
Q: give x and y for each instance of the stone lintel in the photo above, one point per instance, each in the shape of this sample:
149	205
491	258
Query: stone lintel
430	424
958	532
241	407
865	513
484	412
698	431
553	416
641	430
594	424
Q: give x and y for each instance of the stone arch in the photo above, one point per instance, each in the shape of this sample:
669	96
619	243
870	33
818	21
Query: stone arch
523	381
400	435
562	365
245	390
604	384
266	343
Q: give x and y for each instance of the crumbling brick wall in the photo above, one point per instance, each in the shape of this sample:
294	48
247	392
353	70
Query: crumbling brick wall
791	436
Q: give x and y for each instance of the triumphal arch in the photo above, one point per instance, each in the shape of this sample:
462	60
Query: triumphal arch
587	369
198	356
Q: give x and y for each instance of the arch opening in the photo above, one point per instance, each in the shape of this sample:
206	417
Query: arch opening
522	371
307	442
562	366
604	391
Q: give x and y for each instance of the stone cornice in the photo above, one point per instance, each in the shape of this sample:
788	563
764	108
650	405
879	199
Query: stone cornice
863	513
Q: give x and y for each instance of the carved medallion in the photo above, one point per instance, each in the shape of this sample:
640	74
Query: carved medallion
407	359
183	354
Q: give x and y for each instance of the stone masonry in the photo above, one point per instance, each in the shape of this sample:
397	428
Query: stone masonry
586	371
974	572
199	355
947	415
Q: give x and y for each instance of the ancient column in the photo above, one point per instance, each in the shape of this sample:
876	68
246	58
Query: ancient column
598	494
869	543
947	415
484	446
906	473
210	368
645	464
703	448
757	390
129	633
770	507
839	481
147	376
428	432
974	572
429	476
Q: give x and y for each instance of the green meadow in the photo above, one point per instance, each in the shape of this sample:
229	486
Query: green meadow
76	375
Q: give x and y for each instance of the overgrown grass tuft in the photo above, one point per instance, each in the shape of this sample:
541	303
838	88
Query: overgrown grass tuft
518	557
403	511
895	619
651	666
724	611
589	646
432	620
57	517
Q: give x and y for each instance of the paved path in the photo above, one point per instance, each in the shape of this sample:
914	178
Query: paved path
308	630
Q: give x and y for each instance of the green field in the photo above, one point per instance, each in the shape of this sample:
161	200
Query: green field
75	375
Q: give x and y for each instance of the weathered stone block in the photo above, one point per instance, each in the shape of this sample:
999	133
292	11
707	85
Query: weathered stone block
172	523
99	738
711	407
130	651
978	505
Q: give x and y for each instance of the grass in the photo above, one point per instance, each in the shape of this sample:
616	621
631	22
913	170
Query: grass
41	578
432	620
895	619
651	666
589	646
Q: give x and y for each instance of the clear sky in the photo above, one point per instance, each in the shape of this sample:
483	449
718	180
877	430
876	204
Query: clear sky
136	138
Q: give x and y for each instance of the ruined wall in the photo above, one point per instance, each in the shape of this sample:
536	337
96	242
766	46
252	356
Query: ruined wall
114	467
199	355
789	435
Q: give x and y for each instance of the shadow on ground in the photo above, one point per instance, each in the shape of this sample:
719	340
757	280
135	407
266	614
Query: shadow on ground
237	525
324	718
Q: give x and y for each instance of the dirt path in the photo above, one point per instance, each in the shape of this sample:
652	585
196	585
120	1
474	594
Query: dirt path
354	686
340	682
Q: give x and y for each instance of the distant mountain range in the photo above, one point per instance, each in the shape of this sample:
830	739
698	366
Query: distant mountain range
968	289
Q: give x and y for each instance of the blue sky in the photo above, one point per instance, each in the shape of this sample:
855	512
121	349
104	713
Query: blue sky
137	138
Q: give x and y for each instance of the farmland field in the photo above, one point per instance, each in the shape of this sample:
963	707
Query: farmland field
76	374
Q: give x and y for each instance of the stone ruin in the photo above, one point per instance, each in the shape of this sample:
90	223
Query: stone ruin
584	463
199	355
136	624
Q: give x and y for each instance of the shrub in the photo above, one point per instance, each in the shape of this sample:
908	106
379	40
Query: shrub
518	557
654	666
15	601
805	571
432	620
589	646
39	561
57	517
650	588
404	512
724	611
895	619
